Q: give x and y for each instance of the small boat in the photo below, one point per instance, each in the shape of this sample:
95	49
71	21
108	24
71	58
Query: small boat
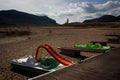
96	46
36	64
29	64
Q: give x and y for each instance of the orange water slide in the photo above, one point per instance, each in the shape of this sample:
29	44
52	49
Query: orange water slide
53	53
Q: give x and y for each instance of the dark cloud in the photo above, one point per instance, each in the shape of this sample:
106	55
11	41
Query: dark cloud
88	7
108	6
66	15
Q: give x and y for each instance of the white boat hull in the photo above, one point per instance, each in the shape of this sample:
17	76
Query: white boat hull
29	64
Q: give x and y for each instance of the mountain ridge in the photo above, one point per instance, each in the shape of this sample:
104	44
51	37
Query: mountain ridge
14	17
104	18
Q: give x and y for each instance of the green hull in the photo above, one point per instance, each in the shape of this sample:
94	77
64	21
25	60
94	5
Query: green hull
92	46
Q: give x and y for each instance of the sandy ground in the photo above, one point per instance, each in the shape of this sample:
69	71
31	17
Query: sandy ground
18	46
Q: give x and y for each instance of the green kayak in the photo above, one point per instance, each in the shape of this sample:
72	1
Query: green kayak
92	46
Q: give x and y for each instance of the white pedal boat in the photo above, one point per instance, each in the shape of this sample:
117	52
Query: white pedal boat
41	65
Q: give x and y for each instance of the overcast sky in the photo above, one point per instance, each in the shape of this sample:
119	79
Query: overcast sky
60	10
